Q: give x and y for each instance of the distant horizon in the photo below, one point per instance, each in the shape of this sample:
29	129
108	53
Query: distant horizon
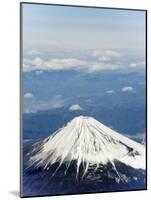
43	24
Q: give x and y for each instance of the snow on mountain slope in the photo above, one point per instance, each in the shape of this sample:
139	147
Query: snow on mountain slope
89	142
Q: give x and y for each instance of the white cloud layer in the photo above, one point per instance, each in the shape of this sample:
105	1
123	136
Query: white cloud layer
104	60
75	107
127	89
66	64
52	64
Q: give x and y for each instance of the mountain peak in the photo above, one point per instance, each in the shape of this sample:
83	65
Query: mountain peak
88	142
82	118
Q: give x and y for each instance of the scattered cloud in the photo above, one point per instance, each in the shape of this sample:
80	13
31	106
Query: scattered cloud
28	95
110	91
36	104
56	102
137	65
127	89
98	66
75	107
107	55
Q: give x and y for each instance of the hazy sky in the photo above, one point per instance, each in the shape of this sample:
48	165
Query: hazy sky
83	41
74	27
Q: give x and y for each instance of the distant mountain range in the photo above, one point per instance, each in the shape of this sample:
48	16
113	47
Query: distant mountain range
125	112
130	121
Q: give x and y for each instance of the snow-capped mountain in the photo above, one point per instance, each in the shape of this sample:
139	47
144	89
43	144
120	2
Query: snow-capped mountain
89	143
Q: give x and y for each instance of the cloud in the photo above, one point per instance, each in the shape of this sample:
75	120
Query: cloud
104	60
75	107
128	89
38	72
36	104
137	65
110	91
96	66
39	64
28	95
59	64
32	52
107	55
52	64
56	102
113	53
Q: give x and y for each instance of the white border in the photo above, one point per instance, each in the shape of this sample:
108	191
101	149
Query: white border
9	106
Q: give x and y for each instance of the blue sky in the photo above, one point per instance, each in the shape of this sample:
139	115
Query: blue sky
74	27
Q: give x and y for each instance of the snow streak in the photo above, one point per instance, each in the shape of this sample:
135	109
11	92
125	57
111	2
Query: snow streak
88	142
